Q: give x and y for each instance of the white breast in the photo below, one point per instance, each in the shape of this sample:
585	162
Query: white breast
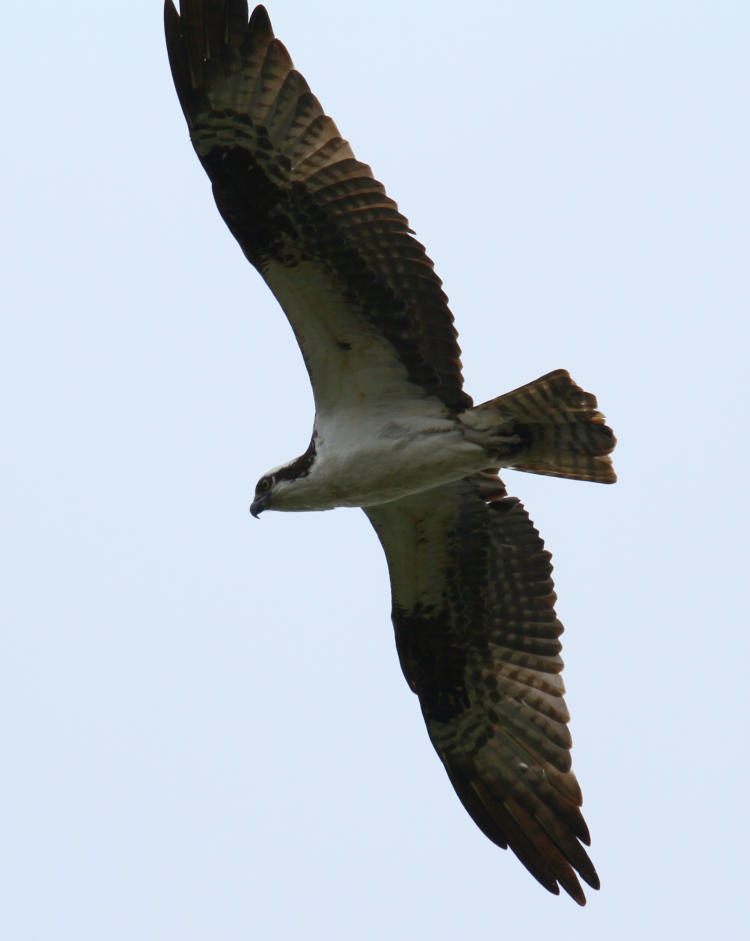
367	457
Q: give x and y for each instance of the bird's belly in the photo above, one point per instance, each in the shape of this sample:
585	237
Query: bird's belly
369	464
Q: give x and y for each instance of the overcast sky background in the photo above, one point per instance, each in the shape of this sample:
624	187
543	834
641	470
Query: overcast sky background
206	733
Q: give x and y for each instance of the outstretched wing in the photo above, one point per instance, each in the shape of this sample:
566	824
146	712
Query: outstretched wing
477	637
361	294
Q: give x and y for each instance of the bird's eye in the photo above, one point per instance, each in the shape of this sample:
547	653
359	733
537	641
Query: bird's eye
265	484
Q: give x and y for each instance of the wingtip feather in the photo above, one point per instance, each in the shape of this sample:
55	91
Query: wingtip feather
260	22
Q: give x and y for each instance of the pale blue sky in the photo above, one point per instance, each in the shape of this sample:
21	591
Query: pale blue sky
206	733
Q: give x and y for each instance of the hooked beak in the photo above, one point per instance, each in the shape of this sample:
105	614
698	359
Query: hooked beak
258	505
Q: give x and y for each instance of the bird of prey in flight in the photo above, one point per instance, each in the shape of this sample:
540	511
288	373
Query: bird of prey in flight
396	434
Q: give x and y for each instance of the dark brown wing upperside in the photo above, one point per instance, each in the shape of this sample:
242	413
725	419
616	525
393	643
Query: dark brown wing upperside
307	214
478	642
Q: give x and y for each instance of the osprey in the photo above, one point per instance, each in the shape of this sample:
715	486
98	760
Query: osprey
395	434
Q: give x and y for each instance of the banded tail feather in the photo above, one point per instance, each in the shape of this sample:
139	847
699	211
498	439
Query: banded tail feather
561	431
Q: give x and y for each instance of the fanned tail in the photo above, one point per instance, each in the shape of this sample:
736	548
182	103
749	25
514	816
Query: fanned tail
556	426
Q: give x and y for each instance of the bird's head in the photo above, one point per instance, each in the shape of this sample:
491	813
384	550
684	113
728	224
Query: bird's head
263	494
287	487
278	491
